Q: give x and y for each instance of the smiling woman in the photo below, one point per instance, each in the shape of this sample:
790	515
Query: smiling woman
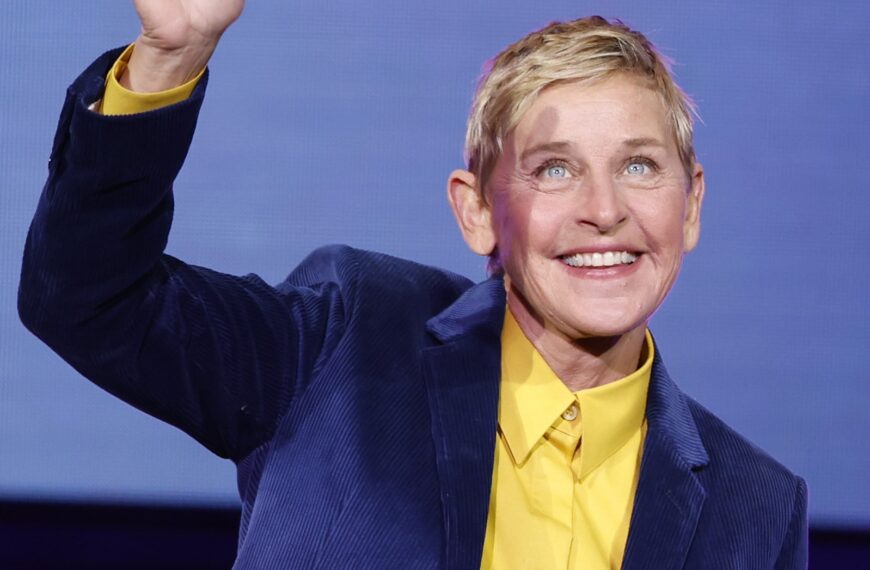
386	414
591	169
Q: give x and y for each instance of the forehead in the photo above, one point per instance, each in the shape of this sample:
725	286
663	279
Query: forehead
595	114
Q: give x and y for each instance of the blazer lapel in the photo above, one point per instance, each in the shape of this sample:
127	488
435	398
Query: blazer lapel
669	497
462	377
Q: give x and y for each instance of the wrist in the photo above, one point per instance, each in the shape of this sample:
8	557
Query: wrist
152	69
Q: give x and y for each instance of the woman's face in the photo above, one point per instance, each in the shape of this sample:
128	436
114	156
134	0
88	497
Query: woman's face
590	208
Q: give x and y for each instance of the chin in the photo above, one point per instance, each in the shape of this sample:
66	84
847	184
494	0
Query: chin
586	331
599	323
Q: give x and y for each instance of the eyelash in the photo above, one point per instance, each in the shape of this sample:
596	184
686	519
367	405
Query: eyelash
643	160
563	163
551	162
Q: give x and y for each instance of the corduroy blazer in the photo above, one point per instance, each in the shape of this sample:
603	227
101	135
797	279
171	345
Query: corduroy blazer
359	397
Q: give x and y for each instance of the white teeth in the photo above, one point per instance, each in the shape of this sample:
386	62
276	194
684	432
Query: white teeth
606	259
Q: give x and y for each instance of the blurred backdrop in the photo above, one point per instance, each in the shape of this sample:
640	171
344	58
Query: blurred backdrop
339	122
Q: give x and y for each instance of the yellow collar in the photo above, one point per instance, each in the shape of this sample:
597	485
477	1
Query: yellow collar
532	399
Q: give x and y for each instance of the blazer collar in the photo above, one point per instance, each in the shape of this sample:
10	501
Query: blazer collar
479	312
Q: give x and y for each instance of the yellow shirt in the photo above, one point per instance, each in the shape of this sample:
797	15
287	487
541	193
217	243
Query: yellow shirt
551	508
120	101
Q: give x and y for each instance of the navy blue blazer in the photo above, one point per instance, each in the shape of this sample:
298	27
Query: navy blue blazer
358	398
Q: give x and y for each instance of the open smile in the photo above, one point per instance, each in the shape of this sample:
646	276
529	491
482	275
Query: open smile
600	259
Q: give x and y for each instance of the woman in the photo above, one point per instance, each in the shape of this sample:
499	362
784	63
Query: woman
385	414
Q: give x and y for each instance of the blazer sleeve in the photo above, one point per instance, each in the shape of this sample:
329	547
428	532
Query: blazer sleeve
219	356
794	552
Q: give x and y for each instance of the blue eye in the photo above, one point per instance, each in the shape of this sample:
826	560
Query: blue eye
556	171
637	168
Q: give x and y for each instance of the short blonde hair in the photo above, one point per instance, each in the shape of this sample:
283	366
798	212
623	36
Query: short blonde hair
587	49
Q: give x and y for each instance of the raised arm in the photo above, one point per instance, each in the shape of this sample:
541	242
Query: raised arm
219	356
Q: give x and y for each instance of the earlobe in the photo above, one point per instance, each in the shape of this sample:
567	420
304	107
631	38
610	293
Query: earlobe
692	223
471	211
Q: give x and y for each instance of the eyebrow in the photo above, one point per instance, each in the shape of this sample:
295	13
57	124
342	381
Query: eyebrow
643	141
544	147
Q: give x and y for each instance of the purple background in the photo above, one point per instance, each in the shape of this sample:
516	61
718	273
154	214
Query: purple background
339	122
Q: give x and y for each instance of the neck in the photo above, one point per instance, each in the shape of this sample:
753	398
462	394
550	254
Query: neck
583	362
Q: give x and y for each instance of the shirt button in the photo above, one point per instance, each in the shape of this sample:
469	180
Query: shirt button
571	413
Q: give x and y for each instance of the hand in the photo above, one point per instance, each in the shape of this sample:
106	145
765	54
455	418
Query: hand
178	37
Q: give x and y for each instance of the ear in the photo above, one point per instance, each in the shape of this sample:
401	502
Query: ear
471	211
692	223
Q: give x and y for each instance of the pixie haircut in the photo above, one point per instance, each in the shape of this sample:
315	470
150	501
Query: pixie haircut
583	50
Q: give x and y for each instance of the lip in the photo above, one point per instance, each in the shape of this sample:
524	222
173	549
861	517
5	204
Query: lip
601	249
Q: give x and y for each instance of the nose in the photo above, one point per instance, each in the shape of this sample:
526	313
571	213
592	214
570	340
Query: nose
601	205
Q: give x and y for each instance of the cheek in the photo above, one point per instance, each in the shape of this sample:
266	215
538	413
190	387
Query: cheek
514	222
542	220
662	224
